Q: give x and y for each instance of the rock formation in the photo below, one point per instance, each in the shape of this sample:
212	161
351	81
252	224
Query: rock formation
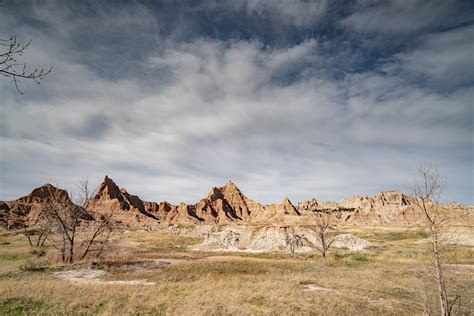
276	212
25	210
226	204
389	207
223	205
126	208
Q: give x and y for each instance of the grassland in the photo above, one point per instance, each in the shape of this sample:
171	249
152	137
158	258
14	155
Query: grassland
390	277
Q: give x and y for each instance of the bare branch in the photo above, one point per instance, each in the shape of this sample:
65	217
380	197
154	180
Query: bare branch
427	190
325	233
11	68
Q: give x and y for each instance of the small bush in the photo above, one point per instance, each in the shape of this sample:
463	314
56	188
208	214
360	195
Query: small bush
31	265
38	252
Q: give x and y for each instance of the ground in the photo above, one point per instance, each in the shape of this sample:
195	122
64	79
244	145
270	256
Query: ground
156	273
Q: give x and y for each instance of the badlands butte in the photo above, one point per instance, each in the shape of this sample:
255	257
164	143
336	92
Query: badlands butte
224	205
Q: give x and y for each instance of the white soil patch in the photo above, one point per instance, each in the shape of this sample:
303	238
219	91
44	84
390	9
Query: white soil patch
351	242
316	288
92	276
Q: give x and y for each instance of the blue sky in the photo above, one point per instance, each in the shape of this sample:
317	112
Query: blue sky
304	99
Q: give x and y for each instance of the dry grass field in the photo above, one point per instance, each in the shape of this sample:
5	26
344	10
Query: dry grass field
389	277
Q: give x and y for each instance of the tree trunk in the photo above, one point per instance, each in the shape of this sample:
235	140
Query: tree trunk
443	295
29	238
71	251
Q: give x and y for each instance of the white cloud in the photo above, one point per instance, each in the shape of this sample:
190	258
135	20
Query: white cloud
272	119
444	60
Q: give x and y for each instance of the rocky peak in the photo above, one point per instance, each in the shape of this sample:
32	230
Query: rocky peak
108	189
393	197
44	193
215	194
230	186
288	207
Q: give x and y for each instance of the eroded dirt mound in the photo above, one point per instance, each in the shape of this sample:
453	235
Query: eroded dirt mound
226	240
350	242
278	238
272	238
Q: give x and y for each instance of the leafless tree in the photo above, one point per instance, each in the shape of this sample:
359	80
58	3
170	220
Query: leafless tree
74	233
41	229
11	50
99	233
427	190
325	233
64	217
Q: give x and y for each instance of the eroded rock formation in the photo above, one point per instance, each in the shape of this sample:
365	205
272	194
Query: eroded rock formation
25	210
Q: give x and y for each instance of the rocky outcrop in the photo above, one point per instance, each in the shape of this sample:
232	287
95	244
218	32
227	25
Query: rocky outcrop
25	210
227	204
276	212
223	205
273	238
382	208
126	208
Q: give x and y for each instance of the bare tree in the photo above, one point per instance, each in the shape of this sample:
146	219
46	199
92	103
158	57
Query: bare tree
64	217
427	190
41	229
75	233
10	67
325	233
99	235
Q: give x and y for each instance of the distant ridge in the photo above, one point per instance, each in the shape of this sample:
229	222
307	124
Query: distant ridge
222	205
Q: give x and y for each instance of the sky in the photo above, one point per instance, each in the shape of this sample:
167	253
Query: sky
305	99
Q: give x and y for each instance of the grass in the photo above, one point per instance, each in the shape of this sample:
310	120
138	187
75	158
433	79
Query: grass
384	279
19	306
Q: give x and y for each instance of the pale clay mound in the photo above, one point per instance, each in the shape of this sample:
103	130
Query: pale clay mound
272	238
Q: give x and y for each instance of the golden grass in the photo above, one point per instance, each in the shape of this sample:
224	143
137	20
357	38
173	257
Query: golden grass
385	279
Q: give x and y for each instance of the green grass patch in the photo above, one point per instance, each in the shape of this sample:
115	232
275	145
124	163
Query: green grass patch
39	266
258	301
143	310
349	259
20	306
401	235
23	256
401	292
